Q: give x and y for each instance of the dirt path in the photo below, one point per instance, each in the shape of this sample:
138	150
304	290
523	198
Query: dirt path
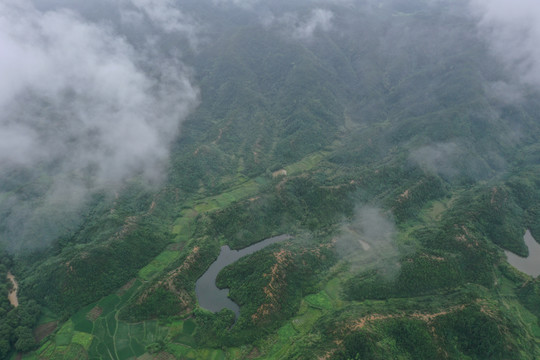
12	296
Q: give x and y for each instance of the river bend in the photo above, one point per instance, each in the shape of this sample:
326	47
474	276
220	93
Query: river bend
209	295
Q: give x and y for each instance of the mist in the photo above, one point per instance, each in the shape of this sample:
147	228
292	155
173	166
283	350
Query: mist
368	242
297	27
452	160
83	110
441	158
95	93
512	32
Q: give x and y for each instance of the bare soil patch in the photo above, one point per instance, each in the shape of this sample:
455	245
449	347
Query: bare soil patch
278	173
94	313
12	296
164	356
126	287
145	356
44	330
176	247
254	353
277	281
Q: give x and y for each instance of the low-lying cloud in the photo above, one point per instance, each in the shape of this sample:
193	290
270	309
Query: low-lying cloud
319	19
300	27
246	4
368	241
460	159
512	30
164	15
440	158
81	106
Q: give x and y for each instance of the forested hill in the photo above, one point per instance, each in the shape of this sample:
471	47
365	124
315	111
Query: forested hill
389	138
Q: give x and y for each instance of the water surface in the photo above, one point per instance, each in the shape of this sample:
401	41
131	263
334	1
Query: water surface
208	294
531	264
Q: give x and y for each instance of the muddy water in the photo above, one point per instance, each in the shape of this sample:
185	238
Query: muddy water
12	296
208	294
531	264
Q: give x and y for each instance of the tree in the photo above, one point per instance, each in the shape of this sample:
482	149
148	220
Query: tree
29	313
4	348
25	340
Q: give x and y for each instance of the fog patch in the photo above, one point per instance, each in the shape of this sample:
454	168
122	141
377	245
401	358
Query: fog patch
461	160
505	92
164	15
319	19
246	4
368	242
298	27
512	30
438	158
82	111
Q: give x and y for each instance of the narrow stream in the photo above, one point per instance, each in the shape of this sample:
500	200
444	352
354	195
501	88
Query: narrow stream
209	295
12	296
531	264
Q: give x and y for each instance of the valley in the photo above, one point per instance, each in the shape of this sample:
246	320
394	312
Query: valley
337	180
214	299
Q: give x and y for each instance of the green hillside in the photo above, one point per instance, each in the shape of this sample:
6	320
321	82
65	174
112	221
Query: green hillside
376	144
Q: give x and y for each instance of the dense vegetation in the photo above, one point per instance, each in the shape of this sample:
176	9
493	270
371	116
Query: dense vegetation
300	137
16	323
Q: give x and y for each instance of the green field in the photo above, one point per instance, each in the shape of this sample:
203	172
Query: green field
306	164
243	191
320	300
158	264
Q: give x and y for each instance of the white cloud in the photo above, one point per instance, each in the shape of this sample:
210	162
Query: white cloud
246	4
163	14
506	93
292	25
368	241
319	19
77	96
512	29
438	158
73	88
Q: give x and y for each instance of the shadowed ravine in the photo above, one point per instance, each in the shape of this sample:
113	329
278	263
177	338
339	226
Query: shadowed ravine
209	295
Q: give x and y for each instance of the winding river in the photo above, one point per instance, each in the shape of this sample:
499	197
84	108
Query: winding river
531	264
12	296
209	295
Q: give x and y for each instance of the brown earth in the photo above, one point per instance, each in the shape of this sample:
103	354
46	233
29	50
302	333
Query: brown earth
254	353
277	282
168	282
427	317
12	296
126	287
277	173
164	356
94	313
405	195
44	330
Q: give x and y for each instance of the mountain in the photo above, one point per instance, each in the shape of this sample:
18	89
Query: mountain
395	142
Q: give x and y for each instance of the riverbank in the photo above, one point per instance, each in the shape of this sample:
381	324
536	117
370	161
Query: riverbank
209	296
529	265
